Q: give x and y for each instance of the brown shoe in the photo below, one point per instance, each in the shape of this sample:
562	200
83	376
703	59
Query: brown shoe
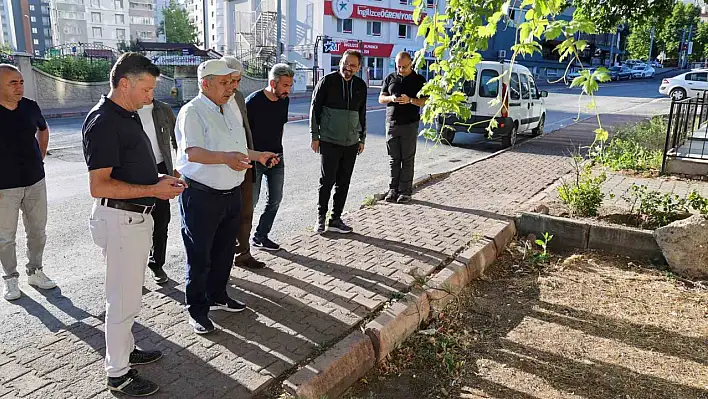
249	263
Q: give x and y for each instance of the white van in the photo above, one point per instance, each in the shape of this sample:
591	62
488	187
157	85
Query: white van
523	109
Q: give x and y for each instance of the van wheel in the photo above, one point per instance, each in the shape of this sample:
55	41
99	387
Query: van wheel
447	134
510	140
539	129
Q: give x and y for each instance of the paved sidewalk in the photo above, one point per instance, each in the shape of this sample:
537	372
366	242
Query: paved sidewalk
318	289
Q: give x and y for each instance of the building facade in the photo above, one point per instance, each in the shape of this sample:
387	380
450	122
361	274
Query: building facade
142	20
26	25
70	21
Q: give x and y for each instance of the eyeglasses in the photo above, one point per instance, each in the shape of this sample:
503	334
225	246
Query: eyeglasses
351	66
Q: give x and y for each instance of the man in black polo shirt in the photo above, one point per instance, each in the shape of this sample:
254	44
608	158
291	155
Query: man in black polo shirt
400	93
24	137
123	178
267	116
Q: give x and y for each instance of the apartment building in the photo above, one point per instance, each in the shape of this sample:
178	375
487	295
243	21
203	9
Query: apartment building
160	18
208	17
26	25
142	20
70	21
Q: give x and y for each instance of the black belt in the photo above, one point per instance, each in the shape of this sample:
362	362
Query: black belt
127	206
203	187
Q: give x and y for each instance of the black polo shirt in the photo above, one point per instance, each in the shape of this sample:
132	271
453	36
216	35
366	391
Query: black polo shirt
114	138
266	119
395	84
20	159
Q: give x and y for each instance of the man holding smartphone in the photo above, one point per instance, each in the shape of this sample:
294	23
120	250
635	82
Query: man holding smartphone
267	112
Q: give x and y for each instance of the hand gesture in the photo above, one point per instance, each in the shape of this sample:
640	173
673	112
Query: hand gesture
265	156
403	99
237	161
168	187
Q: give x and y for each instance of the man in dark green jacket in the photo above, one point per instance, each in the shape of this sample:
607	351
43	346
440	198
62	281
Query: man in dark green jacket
338	128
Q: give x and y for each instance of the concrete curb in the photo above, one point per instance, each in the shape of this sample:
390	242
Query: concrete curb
576	234
336	369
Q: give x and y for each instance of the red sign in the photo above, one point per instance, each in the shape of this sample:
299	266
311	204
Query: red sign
367	49
377	13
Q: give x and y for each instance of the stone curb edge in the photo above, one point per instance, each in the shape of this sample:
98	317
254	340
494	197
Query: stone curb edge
335	370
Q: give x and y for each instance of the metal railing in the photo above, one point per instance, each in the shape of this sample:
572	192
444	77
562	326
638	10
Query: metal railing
687	131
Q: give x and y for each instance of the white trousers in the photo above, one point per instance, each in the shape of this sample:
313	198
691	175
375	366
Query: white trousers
125	239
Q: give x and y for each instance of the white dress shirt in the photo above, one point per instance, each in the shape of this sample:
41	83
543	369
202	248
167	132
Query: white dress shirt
200	123
145	114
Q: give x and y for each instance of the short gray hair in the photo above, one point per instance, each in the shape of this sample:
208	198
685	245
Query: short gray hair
233	63
280	70
8	67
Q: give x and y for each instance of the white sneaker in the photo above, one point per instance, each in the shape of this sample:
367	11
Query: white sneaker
12	289
40	280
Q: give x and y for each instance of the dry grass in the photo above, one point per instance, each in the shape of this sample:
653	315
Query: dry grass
583	326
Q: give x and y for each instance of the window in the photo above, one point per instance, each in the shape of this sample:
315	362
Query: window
96	17
404	31
344	25
525	92
551	72
142	20
697	77
118	4
96	3
97	32
31	7
98	43
405	2
514	94
45	21
47	33
487	88
120	34
375	67
120	19
34	30
45	10
431	3
516	16
36	42
334	64
36	52
534	90
48	43
145	35
468	87
373	28
33	19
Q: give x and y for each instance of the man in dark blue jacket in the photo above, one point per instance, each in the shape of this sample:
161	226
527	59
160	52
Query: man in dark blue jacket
338	128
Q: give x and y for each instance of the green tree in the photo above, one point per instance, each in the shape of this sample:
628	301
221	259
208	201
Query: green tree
176	25
640	37
682	17
700	42
607	14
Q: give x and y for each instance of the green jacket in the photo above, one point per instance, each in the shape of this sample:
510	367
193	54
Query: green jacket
338	110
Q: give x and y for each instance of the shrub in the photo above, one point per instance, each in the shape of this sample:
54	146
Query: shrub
79	69
584	195
637	147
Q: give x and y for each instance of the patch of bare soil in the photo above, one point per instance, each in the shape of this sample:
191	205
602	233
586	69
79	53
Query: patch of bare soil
584	325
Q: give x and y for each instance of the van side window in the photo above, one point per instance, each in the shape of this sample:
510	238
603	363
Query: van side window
468	87
514	92
487	88
524	86
533	88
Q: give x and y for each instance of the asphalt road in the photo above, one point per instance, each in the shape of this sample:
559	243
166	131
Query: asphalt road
74	261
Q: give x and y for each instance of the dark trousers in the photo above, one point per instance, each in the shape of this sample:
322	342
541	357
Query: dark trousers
161	216
275	178
337	168
243	245
210	223
401	141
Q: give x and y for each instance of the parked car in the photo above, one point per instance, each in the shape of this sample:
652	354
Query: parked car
656	64
642	71
688	84
620	72
523	109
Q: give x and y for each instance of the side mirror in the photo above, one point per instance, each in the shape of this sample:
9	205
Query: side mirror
544	94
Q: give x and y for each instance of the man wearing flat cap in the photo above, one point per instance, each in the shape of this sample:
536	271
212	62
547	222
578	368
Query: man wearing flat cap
212	157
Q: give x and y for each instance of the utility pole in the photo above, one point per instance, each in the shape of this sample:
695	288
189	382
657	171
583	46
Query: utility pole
688	45
279	34
683	38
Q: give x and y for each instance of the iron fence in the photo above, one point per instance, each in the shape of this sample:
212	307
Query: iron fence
687	131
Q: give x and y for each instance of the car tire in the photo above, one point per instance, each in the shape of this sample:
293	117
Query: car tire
510	139
447	134
677	94
539	128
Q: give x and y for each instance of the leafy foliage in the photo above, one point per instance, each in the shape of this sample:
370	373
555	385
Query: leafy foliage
656	209
637	147
583	195
176	26
682	16
78	69
607	14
